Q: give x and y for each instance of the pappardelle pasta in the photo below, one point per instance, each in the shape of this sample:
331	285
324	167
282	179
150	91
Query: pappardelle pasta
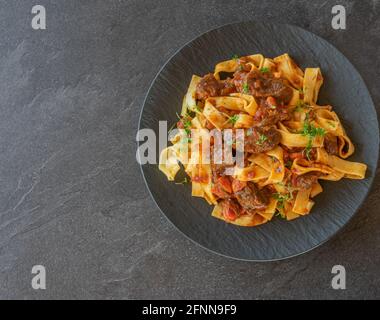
287	142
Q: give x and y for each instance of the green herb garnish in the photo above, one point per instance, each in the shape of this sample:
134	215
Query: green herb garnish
282	198
187	126
235	57
233	118
300	106
264	69
308	149
311	132
262	139
245	88
280	214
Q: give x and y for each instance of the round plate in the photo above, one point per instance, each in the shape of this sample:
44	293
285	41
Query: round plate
343	88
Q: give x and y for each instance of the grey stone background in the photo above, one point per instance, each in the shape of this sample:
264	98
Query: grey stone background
71	194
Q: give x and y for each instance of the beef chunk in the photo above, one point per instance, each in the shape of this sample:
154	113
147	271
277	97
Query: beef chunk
226	87
305	181
218	169
222	187
207	87
261	139
262	85
330	143
250	198
238	185
230	209
266	115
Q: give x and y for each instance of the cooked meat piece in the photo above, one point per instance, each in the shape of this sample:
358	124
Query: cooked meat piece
226	87
217	169
250	197
240	80
265	115
238	185
243	64
207	87
261	139
272	87
331	144
262	85
211	87
218	190
298	153
304	181
222	187
230	209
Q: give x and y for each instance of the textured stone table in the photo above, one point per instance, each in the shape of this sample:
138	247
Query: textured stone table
71	194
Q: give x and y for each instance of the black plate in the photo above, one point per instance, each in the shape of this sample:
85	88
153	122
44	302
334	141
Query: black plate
343	88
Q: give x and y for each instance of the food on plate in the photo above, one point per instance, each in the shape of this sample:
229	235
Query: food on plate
265	110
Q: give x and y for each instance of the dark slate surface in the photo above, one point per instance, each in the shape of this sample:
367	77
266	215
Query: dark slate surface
71	194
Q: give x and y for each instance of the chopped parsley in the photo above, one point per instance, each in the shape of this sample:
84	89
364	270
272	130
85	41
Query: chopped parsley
245	88
186	121
233	118
187	126
264	70
308	149
262	139
280	214
300	106
235	57
282	198
311	132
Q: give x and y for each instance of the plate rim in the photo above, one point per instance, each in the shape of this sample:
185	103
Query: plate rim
337	232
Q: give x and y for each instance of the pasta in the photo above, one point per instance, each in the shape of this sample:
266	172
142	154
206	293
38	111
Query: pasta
264	112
